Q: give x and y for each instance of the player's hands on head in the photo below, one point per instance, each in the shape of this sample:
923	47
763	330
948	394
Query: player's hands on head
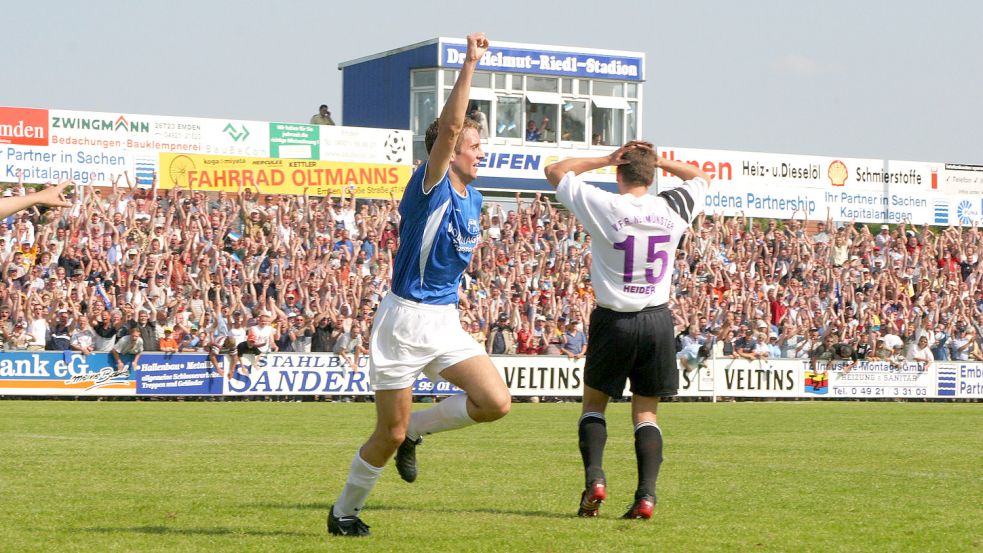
53	196
477	46
617	157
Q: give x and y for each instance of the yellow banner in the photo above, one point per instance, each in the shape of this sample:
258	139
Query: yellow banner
281	176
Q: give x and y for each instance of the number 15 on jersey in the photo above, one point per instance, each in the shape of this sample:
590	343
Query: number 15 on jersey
656	257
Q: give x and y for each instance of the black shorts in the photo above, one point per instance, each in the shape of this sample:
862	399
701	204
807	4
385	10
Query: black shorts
637	346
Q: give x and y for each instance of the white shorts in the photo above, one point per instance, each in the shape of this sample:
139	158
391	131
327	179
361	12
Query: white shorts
410	338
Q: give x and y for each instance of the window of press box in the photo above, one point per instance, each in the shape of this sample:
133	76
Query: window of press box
479	111
540	122
481	79
608	88
573	121
500	81
450	76
633	90
631	120
419	150
566	86
542	84
424	78
424	110
508	117
607	126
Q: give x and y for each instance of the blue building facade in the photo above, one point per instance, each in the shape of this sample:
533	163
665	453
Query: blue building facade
536	103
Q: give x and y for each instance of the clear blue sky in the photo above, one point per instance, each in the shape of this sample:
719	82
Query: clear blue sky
898	80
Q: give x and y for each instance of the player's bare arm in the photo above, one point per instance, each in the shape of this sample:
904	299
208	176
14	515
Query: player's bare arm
680	169
51	197
451	120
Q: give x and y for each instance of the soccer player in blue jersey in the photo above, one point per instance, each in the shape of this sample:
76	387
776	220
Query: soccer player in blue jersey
417	328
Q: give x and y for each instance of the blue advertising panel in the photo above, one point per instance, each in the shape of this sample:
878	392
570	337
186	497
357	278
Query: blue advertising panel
548	62
960	380
165	374
313	374
49	373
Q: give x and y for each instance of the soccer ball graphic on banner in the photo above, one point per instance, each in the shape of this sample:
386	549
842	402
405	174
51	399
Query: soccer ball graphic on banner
395	147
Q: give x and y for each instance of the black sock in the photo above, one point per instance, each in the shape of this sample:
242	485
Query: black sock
593	434
648	452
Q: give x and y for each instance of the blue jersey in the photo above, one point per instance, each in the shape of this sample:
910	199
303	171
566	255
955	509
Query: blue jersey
437	235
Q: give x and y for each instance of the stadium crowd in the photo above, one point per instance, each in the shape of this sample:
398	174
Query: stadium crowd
189	269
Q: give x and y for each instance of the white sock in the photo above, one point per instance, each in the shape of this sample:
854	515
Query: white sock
361	479
450	414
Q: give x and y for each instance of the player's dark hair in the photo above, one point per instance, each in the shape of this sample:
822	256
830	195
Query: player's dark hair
431	136
640	169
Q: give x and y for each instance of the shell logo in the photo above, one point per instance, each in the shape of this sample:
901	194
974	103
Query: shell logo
837	173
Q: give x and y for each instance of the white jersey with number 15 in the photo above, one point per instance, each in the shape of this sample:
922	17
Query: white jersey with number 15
633	239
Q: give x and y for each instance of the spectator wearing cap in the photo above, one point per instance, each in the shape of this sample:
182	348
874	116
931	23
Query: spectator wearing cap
745	345
59	336
193	341
238	328
883	238
501	337
168	344
574	343
961	344
539	326
774	349
19	339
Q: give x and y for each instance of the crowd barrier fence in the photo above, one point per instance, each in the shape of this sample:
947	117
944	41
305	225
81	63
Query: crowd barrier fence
324	374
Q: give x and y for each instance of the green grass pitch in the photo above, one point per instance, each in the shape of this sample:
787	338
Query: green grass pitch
254	476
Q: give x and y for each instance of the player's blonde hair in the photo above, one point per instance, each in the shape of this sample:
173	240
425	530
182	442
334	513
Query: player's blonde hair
431	137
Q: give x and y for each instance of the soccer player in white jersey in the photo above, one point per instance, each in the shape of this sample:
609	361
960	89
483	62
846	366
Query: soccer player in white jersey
417	328
634	238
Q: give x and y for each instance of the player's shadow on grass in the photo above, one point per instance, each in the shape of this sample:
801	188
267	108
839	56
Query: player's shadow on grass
375	507
163	530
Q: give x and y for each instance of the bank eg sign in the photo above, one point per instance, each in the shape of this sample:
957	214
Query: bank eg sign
24	126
